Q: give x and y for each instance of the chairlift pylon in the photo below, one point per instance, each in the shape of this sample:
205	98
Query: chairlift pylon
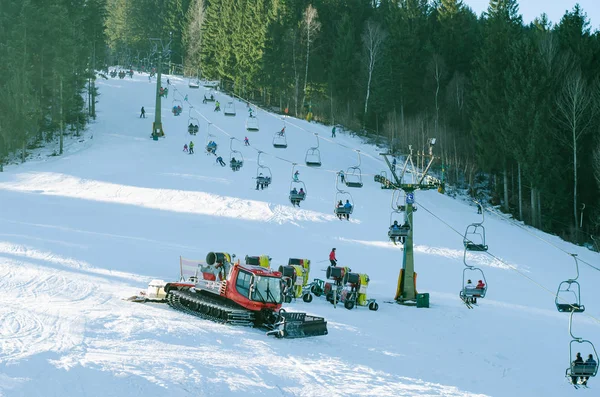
568	295
236	159
584	369
313	155
474	237
297	189
354	175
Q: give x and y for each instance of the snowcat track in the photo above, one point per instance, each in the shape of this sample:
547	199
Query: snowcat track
209	309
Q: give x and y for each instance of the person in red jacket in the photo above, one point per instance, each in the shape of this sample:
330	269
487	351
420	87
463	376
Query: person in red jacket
332	257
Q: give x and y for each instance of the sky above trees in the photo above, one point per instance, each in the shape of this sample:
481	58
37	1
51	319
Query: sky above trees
555	9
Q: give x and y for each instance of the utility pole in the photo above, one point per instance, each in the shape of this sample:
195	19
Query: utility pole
160	49
406	292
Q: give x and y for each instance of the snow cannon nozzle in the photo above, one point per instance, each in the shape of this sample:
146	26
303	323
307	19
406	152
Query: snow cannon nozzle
217	257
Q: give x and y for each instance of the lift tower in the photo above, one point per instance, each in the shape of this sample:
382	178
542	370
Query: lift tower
406	293
161	50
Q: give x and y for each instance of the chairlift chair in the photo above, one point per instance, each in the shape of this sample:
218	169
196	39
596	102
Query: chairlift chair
467	294
313	155
229	109
342	196
353	175
252	124
211	144
176	107
398	215
474	237
568	295
208	94
279	141
263	173
236	159
578	370
298	185
193	125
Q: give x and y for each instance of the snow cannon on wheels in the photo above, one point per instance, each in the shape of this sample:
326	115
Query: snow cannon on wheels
220	290
355	292
346	287
295	280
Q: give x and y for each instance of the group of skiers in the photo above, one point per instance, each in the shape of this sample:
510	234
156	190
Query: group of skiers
395	227
262	181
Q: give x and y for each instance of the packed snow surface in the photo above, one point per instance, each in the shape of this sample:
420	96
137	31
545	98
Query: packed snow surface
79	233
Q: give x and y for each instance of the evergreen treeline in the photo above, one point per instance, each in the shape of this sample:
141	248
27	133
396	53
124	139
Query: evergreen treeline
47	52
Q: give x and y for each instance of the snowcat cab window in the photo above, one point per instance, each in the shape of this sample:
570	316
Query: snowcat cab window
242	283
267	289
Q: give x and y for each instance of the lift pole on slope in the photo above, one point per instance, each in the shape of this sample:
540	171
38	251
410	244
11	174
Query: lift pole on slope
161	50
406	292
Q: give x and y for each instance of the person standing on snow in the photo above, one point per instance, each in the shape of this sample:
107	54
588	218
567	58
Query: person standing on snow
246	141
333	132
332	258
191	148
143	113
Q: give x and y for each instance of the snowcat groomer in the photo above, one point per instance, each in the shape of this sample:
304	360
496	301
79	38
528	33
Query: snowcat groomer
295	277
346	287
237	294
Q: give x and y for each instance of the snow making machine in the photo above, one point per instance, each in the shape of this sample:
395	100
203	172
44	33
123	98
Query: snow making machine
295	278
233	293
345	287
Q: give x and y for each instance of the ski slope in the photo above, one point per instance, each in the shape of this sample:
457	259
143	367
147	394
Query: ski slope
82	232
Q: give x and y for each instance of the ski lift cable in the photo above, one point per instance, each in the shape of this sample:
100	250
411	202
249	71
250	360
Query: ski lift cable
377	159
504	217
551	292
251	147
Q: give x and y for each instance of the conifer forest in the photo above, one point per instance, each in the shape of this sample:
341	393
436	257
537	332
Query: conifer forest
515	106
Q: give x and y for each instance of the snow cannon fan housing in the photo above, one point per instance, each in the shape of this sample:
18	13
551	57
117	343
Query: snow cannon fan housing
339	274
262	261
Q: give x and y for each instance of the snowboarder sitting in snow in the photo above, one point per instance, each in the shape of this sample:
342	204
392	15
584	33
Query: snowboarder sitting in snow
220	161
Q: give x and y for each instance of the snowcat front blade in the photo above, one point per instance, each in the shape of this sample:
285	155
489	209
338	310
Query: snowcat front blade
298	325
